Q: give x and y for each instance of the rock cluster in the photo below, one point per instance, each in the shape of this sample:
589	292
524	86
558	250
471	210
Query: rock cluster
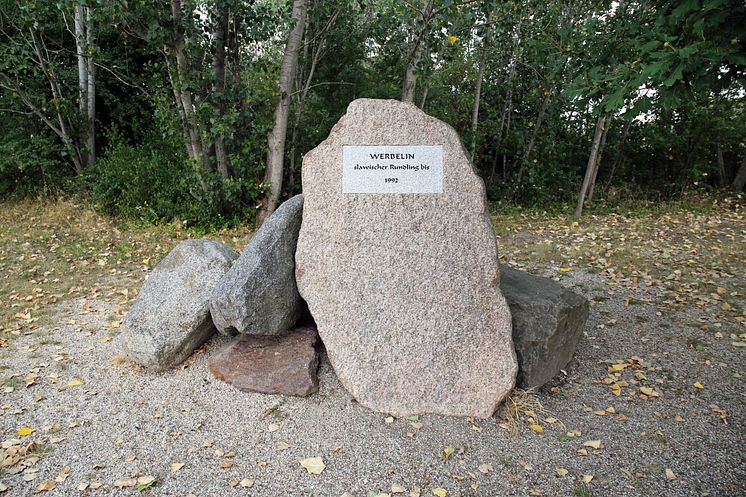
404	286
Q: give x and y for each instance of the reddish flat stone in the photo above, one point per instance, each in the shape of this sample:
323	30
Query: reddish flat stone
284	365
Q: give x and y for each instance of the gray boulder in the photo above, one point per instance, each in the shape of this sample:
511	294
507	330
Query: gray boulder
171	315
548	321
259	295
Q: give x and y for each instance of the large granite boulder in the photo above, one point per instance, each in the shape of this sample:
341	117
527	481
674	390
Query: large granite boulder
171	317
548	321
259	294
284	365
397	261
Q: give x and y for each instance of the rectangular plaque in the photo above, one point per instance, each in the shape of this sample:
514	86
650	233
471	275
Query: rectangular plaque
392	169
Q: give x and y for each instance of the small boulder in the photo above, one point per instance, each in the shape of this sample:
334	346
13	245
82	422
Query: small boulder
171	315
259	295
548	321
284	365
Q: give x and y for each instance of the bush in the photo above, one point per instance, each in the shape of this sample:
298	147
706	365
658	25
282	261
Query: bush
155	182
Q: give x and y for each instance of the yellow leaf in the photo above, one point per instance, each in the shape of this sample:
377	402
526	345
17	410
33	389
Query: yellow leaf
24	432
314	465
647	391
561	472
698	385
565	269
440	492
537	428
618	367
448	452
75	382
176	466
587	478
452	39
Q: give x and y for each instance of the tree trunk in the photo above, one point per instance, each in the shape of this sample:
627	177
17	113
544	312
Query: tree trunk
534	134
182	79
91	91
477	98
80	33
721	165
591	163
301	104
597	165
740	180
218	70
410	76
276	137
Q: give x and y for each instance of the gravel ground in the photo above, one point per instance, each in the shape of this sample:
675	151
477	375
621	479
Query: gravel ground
124	422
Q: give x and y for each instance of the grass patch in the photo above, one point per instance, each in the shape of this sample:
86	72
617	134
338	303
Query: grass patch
53	251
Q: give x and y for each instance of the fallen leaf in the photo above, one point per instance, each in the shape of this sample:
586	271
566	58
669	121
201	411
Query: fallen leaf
561	472
46	486
587	478
227	464
282	446
485	468
63	474
537	428
314	465
397	489
129	482
3	487
670	474
595	444
24	432
176	466
75	382
440	492
582	452
145	482
246	483
448	452
389	420
273	427
698	385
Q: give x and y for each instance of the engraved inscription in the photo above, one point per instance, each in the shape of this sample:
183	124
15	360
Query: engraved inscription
392	169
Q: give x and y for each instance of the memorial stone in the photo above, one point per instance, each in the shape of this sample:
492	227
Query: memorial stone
397	261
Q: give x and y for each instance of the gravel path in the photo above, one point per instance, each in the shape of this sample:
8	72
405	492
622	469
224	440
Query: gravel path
123	422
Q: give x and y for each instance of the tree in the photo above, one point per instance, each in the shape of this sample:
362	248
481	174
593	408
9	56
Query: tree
276	138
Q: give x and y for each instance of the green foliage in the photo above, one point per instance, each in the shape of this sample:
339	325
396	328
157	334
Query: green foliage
154	182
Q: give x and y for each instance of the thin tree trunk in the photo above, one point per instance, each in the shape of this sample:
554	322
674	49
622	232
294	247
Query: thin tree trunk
91	92
721	165
276	137
591	164
80	33
66	126
300	107
477	97
740	180
597	165
534	134
218	69
410	76
195	149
